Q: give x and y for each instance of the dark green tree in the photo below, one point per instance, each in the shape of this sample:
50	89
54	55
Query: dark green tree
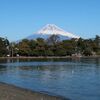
4	46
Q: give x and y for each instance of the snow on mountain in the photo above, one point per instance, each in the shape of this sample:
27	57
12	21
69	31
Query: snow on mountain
51	29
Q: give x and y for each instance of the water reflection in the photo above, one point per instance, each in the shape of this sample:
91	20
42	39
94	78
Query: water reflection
3	68
78	79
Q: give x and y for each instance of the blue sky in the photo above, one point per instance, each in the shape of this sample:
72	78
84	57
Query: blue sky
20	18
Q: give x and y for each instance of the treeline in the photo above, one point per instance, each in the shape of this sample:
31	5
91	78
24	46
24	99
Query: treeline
4	45
52	46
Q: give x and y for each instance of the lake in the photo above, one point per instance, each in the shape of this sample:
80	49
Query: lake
76	79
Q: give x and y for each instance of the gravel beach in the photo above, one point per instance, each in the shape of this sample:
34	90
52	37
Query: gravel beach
10	92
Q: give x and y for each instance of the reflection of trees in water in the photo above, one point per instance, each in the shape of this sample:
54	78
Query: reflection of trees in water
48	72
3	60
97	60
97	66
11	60
52	68
44	68
3	68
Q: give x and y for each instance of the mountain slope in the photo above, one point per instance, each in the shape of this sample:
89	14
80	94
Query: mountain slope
51	29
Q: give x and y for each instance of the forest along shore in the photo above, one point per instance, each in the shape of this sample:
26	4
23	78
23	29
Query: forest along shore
10	92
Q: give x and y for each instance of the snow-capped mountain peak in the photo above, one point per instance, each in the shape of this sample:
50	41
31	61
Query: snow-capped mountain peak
51	29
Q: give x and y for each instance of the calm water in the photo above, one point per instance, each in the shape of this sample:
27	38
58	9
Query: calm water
77	79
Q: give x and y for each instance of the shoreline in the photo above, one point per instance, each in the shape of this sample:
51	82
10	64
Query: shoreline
12	92
47	57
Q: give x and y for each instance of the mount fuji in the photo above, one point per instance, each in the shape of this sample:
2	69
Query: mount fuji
51	29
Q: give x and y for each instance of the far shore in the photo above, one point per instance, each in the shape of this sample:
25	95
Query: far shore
11	92
47	57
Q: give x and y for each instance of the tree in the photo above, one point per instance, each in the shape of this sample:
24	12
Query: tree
54	47
69	46
97	44
97	40
24	48
4	43
53	39
87	52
